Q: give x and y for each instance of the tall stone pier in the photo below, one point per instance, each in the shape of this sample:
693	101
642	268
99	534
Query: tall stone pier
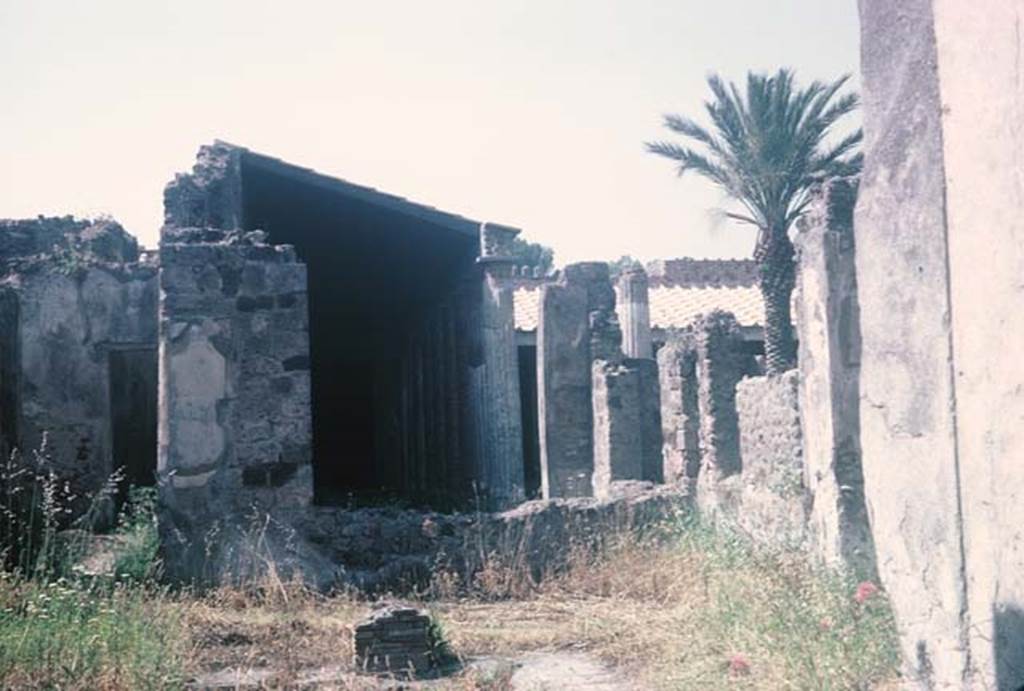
627	423
680	411
940	258
721	364
577	325
828	325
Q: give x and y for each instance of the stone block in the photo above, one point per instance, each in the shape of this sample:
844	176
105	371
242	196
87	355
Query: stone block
397	639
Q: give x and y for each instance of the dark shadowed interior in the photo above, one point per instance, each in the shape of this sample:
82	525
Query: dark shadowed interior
9	367
531	424
375	264
133	414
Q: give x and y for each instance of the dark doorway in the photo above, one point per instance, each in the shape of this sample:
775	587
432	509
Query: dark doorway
9	366
133	413
531	428
380	271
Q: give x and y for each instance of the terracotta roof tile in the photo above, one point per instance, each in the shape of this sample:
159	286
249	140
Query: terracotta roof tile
671	306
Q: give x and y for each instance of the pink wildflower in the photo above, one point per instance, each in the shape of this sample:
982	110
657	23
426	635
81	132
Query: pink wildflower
865	591
738	665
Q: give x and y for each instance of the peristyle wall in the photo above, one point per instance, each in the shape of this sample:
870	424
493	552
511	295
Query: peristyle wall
940	255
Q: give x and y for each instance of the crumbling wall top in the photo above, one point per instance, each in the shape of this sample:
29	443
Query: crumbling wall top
211	195
70	244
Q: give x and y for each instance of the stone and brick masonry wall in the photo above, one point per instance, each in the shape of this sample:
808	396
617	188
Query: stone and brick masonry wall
234	367
627	429
680	413
773	498
381	550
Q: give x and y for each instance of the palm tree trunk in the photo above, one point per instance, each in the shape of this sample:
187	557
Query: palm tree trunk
777	279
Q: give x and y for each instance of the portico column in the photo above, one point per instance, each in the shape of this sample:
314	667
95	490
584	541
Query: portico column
500	463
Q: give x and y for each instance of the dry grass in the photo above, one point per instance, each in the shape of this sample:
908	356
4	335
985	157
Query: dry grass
703	612
689	608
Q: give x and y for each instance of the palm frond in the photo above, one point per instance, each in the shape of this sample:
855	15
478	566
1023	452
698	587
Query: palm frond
766	145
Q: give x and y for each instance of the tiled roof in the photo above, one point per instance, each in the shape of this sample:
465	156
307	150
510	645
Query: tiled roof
526	303
677	306
672	306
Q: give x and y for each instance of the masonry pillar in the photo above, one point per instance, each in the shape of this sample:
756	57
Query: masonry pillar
680	414
635	314
721	364
828	330
940	256
234	423
576	325
500	420
617	439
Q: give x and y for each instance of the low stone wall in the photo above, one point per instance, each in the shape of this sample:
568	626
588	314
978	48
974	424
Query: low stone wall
396	550
773	498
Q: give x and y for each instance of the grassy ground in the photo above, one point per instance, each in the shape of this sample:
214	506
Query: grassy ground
701	610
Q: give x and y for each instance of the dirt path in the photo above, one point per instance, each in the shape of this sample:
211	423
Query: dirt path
565	671
534	671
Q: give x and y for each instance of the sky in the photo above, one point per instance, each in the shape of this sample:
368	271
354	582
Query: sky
531	113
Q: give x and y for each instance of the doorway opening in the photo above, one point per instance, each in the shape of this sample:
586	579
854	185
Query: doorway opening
530	421
133	415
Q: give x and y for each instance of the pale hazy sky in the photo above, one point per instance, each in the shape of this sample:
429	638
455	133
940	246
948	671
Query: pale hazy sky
531	113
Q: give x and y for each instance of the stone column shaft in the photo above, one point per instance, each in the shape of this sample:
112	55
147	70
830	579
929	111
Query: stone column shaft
635	314
499	406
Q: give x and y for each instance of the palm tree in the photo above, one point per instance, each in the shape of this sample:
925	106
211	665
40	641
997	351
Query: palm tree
767	150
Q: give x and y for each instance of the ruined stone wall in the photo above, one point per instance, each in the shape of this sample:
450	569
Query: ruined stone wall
380	550
599	412
774	501
235	421
982	86
940	246
80	292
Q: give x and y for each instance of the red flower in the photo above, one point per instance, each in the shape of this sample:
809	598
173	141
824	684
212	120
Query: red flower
825	624
865	591
738	665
